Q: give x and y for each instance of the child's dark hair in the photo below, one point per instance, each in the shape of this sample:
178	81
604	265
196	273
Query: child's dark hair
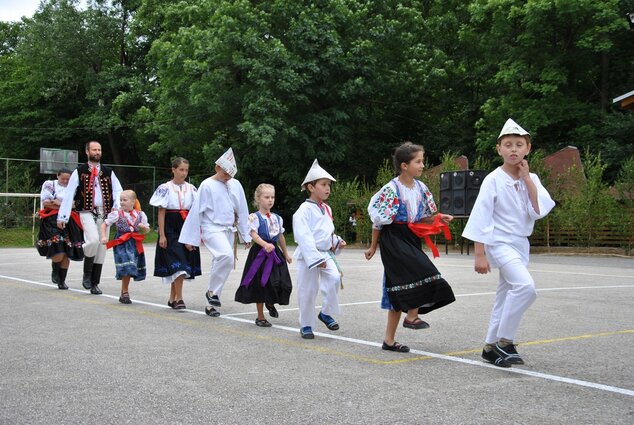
63	170
178	160
405	153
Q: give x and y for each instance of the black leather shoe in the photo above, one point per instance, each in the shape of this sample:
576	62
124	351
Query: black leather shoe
55	273
62	279
95	290
86	280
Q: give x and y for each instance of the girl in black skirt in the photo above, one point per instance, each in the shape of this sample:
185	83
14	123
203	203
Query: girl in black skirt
59	245
266	279
173	261
402	212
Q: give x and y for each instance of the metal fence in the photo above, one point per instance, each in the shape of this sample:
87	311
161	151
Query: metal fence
22	177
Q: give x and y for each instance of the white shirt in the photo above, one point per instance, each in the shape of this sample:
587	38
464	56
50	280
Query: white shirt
51	190
174	196
215	210
71	188
503	209
314	233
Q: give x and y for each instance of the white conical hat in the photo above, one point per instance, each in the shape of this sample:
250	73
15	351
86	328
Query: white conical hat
316	173
511	127
228	163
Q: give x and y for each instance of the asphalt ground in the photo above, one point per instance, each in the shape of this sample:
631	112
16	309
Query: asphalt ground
68	357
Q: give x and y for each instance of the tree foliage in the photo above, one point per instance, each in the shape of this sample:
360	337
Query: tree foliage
345	81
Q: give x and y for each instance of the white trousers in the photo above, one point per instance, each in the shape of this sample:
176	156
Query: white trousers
220	245
92	237
515	293
325	280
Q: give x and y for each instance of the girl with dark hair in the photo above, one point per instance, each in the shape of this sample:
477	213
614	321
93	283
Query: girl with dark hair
402	212
172	261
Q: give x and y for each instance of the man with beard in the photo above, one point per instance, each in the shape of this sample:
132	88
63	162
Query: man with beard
95	192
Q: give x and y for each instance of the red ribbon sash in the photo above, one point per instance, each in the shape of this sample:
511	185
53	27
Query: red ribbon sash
126	237
423	230
50	212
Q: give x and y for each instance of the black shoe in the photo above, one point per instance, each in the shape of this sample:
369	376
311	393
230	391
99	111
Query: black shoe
179	305
55	278
171	304
86	280
95	275
62	279
212	312
508	353
263	323
272	311
213	299
125	298
95	290
494	358
399	348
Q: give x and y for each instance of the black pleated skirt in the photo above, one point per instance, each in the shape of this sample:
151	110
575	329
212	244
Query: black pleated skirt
52	240
276	291
411	279
175	257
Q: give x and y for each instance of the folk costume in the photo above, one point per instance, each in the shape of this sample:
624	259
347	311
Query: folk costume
52	241
217	213
317	243
175	260
265	278
94	189
410	279
129	255
502	219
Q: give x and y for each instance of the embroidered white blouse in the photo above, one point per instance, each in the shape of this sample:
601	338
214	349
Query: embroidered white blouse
51	190
174	196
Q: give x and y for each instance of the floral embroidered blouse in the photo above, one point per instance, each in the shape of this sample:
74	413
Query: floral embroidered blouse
396	202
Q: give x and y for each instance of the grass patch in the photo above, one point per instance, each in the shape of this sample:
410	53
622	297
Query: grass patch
23	237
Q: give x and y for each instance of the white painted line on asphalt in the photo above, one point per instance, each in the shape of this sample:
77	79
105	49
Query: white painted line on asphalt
534	374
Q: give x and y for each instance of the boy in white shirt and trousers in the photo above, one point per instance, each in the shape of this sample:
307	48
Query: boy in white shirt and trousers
218	212
510	200
317	245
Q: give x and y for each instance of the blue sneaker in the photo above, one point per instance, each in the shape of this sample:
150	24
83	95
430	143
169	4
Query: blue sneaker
307	332
330	322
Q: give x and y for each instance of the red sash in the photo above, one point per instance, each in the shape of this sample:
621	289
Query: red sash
126	237
48	212
423	230
183	213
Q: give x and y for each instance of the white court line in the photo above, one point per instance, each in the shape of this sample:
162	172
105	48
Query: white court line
475	294
477	363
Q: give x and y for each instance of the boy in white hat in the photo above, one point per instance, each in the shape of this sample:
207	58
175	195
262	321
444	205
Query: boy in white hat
510	200
219	211
317	245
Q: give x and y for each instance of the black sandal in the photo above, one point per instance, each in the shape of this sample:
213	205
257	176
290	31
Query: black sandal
272	311
125	298
210	311
399	348
263	323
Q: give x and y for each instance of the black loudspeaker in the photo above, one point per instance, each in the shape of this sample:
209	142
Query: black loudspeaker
474	181
458	180
474	178
445	181
458	202
459	190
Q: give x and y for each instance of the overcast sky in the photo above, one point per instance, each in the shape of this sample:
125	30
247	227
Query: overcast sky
13	10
